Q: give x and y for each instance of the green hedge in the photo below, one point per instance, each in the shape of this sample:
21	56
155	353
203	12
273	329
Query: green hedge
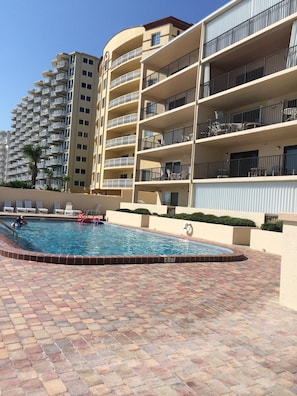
210	218
199	216
276	227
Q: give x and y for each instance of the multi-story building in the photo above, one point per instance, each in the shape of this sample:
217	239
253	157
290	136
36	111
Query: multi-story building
120	81
58	115
218	113
3	155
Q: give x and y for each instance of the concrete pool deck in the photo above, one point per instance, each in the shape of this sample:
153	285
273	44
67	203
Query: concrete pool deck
170	329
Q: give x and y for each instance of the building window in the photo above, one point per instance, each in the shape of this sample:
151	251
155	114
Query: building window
79	134
84	72
78	158
82	97
88	98
83	171
84	147
78	146
83	159
87	110
91	62
76	170
85	60
90	74
82	109
81	122
89	86
86	122
86	134
84	85
155	40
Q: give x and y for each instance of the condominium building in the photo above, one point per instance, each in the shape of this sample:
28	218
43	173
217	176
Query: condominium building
218	113
58	115
120	81
3	155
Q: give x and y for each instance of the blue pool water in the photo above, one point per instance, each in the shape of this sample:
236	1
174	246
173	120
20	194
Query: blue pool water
65	237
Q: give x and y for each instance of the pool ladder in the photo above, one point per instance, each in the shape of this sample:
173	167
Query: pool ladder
15	234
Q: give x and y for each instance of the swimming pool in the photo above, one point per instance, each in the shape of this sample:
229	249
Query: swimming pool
107	242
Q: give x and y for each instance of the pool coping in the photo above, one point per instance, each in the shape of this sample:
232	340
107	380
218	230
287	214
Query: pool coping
12	250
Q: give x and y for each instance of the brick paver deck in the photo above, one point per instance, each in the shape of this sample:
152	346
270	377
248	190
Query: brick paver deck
165	330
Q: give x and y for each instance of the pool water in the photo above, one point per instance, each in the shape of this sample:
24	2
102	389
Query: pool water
65	237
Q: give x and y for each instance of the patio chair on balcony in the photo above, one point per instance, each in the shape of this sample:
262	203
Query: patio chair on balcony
58	209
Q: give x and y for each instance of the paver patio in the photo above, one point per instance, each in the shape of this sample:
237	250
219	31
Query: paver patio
169	329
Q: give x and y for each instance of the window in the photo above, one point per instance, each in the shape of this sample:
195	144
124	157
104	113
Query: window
91	62
170	198
86	134
78	146
88	98
85	60
151	108
89	86
76	170
82	109
83	171
90	74
83	159
78	158
79	134
81	122
84	85
69	95
86	122
177	103
81	183
155	40
84	72
87	110
84	147
83	97
70	84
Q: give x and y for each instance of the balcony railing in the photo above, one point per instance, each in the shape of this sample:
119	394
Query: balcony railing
163	173
274	165
174	136
156	108
259	68
117	183
122	120
260	21
174	67
120	141
124	99
124	58
283	111
125	78
119	162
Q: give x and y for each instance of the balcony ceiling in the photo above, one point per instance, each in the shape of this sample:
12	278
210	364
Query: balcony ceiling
171	151
255	48
174	84
184	44
170	119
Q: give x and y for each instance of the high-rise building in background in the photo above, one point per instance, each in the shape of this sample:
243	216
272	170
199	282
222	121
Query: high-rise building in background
118	109
3	155
58	115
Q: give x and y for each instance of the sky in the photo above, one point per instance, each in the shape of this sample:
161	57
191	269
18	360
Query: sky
32	32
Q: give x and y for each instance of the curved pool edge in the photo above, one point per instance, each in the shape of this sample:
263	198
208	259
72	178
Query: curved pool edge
11	250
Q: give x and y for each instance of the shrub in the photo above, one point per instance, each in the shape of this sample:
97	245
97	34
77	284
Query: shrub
143	211
276	227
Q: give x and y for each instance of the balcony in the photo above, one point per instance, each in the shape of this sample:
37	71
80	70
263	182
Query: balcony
172	68
259	68
61	77
274	165
62	65
124	99
122	120
280	112
125	78
126	57
121	141
58	125
266	18
168	138
164	173
117	183
156	108
60	89
119	162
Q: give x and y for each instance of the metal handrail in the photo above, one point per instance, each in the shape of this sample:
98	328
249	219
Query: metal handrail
15	234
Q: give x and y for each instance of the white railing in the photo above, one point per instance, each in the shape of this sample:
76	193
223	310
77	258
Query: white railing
116	162
124	99
124	58
131	139
122	120
125	78
117	183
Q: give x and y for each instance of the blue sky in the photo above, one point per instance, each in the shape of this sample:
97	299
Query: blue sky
32	32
